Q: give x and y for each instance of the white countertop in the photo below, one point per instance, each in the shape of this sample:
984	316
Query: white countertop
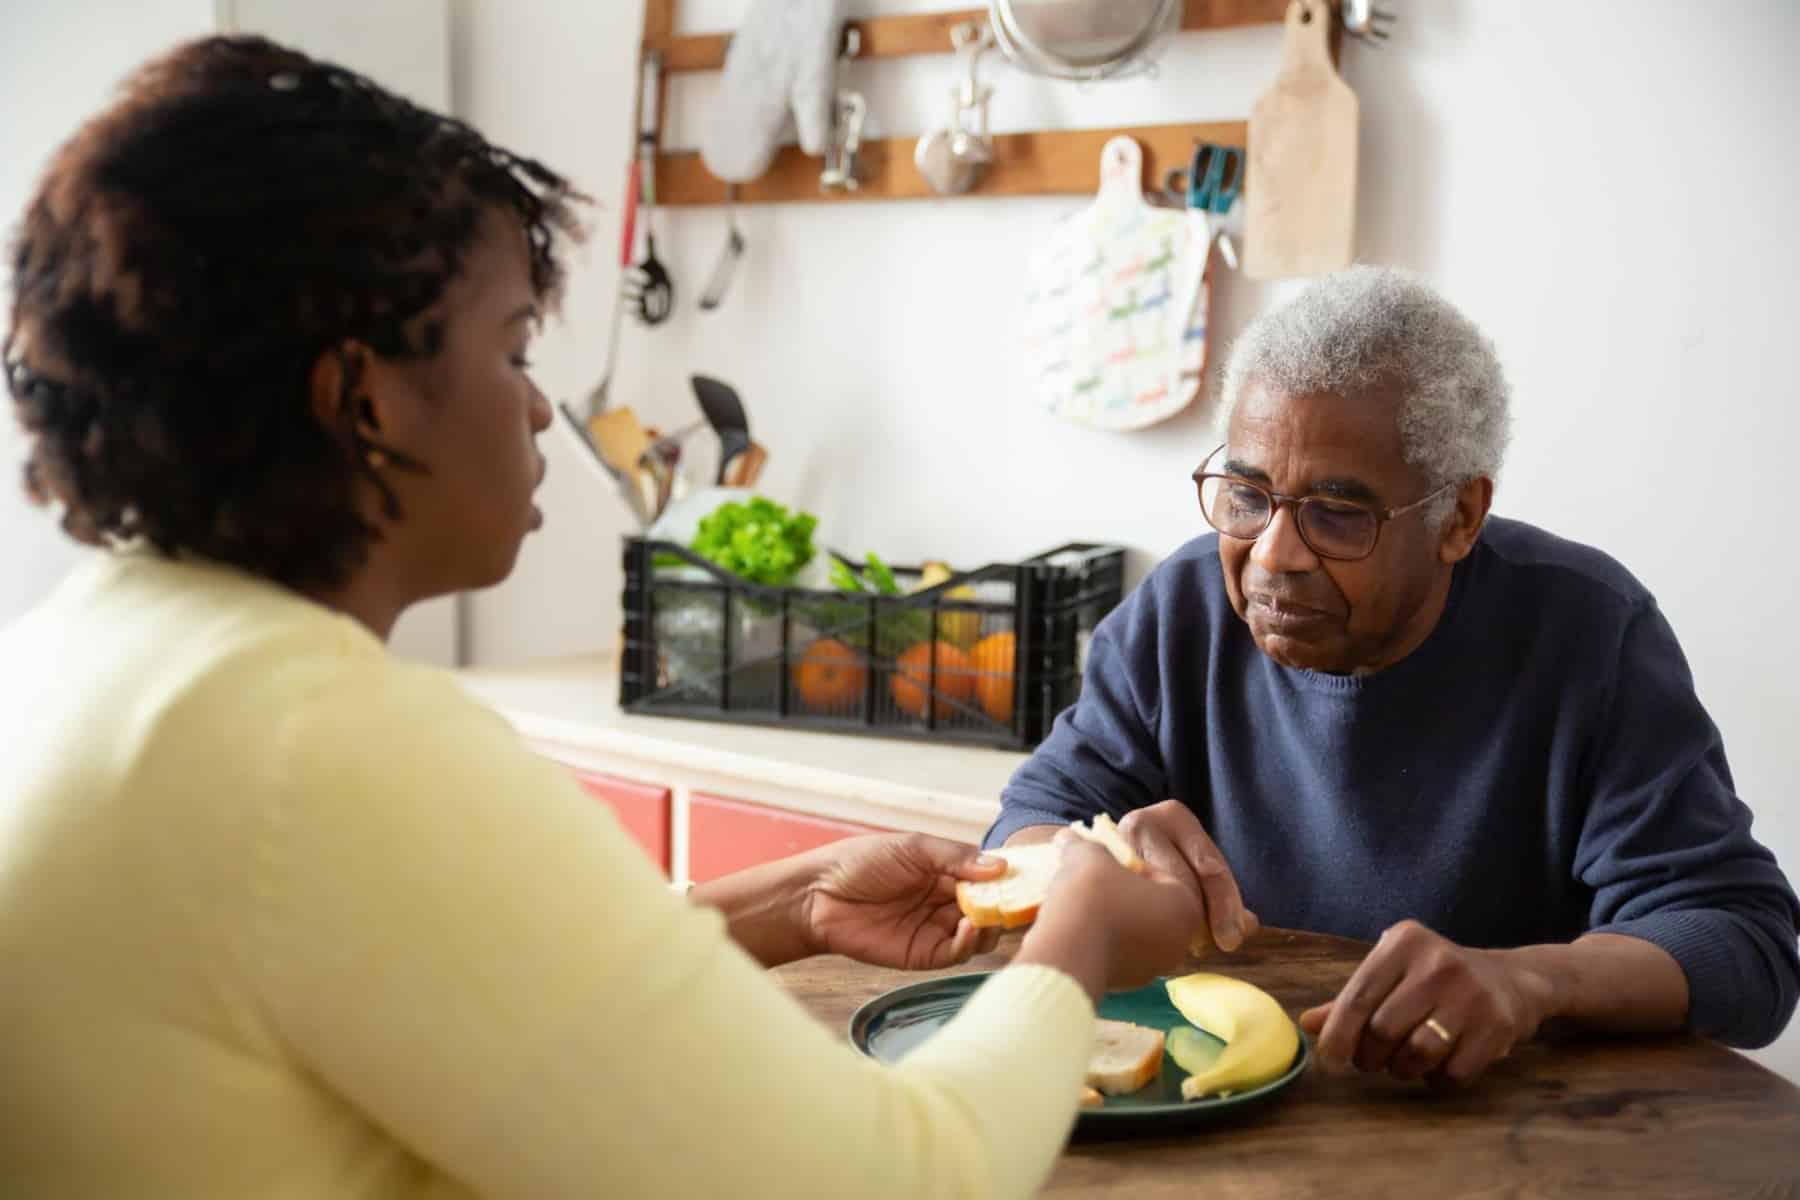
570	709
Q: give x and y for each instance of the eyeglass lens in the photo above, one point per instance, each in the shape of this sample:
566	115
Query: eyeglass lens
1243	510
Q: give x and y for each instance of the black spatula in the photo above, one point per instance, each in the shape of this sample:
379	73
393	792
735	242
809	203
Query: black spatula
725	413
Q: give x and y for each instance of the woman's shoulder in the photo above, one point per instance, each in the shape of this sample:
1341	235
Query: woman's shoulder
249	665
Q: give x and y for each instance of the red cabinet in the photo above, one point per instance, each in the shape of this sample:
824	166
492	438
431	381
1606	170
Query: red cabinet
723	835
642	808
728	835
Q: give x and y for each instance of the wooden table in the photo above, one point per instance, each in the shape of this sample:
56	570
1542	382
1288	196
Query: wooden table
1662	1116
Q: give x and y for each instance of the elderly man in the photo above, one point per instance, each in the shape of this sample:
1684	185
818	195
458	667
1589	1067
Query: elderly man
1381	713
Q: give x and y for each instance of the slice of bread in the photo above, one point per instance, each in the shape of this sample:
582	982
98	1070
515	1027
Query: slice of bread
1125	1057
1090	1098
1013	899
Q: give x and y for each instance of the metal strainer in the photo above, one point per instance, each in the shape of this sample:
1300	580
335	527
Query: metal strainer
1083	39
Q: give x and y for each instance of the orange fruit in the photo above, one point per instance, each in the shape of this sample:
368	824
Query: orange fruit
993	662
830	675
912	679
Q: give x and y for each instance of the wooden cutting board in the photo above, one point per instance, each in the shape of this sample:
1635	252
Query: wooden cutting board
1301	185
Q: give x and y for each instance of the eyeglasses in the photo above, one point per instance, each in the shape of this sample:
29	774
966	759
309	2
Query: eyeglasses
1335	529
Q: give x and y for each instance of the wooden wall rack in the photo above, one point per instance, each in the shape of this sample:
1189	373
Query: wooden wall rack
1044	163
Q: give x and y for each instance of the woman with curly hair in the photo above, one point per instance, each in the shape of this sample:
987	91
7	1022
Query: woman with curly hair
281	915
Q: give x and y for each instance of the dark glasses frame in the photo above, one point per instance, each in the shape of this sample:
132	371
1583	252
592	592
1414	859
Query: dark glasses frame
1276	500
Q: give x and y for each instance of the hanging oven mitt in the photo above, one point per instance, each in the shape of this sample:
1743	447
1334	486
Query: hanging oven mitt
783	58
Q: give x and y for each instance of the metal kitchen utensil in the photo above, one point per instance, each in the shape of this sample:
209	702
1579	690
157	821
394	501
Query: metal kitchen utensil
679	436
654	289
666	450
849	111
726	267
658	463
954	159
663	460
725	413
626	486
1363	20
1083	39
597	399
651	287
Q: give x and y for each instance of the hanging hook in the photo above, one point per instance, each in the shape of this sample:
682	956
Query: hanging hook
843	165
969	112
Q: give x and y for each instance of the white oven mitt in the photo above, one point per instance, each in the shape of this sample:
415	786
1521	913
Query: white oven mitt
784	57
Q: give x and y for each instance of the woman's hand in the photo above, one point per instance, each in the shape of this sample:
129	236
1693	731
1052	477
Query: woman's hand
1109	928
890	900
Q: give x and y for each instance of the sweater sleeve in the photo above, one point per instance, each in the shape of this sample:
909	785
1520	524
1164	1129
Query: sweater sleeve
1102	754
1667	849
472	954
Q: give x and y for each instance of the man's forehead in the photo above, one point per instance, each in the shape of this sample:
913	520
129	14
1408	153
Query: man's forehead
1317	424
1317	442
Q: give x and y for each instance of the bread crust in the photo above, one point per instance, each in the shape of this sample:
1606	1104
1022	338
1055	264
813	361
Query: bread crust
989	905
1135	1074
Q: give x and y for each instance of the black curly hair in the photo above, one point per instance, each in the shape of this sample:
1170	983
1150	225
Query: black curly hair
192	251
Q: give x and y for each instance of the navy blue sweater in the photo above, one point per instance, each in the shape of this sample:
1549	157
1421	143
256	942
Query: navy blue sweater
1540	767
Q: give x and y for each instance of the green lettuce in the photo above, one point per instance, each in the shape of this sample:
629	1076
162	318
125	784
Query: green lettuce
758	540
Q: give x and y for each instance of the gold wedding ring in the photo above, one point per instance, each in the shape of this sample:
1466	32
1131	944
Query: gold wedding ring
1436	1026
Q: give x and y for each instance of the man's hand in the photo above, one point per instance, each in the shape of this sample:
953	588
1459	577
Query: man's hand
1169	837
1421	1006
890	900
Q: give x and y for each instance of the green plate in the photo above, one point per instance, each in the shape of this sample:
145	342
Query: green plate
890	1025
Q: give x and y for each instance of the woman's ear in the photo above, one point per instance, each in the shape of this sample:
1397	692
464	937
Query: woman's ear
341	400
1463	525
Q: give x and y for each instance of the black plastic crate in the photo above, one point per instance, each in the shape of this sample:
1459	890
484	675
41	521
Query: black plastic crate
991	665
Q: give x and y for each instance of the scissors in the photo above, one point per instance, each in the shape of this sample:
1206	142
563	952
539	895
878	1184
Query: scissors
1211	182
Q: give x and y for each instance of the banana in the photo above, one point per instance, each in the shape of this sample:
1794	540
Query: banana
1260	1040
931	574
960	628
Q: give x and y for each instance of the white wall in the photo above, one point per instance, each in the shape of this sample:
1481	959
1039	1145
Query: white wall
55	73
1612	200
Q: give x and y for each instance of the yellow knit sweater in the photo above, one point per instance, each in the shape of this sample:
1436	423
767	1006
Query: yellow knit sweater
282	917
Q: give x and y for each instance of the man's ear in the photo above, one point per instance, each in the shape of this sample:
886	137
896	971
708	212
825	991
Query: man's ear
1463	525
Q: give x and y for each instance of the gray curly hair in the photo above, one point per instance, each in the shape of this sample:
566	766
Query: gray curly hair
1378	330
